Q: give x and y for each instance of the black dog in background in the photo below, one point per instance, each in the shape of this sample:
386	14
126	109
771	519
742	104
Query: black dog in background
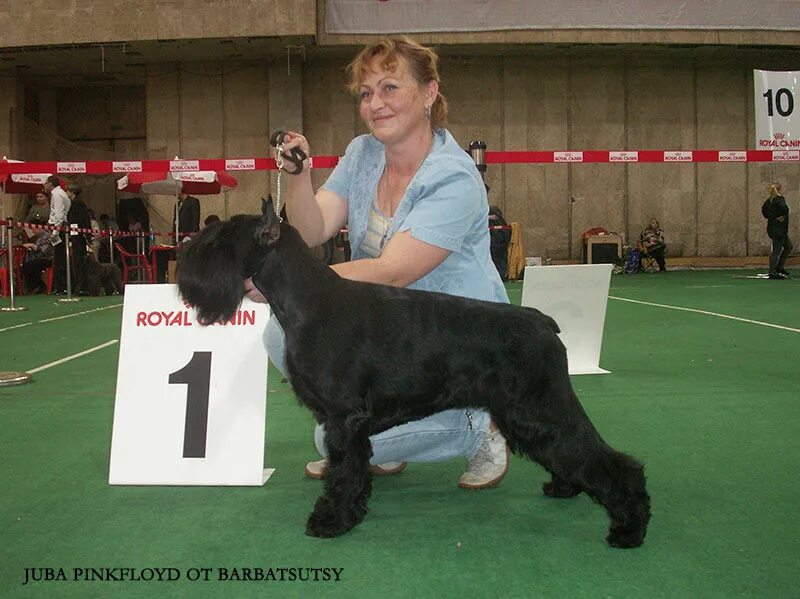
364	358
101	275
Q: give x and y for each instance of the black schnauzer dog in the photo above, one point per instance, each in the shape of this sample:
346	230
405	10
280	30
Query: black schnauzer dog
364	358
98	275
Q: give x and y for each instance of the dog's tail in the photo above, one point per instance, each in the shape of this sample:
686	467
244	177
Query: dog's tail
547	321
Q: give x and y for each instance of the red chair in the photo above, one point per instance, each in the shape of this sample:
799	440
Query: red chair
131	262
19	258
48	277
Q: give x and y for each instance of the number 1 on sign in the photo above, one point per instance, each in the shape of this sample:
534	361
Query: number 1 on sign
197	376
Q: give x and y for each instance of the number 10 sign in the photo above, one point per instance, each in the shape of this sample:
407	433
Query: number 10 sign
191	400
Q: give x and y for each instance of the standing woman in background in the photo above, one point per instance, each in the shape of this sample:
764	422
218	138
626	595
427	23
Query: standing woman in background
776	211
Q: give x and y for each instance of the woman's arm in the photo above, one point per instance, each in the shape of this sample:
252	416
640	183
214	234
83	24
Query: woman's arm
317	217
403	261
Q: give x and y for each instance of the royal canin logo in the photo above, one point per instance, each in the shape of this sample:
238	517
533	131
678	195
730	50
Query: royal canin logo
184	165
71	167
623	156
240	164
127	166
184	318
785	156
568	157
733	156
677	156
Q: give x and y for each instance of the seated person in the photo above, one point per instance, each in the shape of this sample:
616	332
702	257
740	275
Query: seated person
651	242
95	235
42	258
40	210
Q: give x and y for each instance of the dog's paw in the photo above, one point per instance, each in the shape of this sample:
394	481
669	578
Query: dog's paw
625	537
559	490
325	521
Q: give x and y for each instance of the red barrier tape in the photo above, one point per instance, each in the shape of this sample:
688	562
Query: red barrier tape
105	232
100	232
104	167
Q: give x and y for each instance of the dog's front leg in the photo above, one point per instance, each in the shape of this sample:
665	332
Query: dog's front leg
348	480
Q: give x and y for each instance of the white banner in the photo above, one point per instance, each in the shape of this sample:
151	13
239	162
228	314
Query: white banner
392	16
777	125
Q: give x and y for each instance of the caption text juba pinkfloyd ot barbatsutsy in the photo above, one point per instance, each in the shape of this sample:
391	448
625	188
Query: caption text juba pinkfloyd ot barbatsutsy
169	574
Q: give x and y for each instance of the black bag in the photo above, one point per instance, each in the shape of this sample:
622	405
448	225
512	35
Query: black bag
766	208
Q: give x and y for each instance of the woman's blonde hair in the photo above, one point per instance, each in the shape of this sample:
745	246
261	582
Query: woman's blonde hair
774	190
423	64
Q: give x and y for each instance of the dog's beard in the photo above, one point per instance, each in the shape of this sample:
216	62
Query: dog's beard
216	296
209	276
212	266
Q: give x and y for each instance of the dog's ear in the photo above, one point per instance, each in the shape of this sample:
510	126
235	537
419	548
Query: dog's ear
267	206
268	230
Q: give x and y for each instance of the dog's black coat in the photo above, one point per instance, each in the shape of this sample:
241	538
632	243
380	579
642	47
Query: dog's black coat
98	276
365	357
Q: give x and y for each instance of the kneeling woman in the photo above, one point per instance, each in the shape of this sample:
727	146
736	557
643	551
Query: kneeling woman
417	212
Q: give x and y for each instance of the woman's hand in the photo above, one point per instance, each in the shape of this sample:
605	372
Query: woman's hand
252	292
291	140
29	246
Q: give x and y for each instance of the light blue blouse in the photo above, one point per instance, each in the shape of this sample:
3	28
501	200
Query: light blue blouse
445	205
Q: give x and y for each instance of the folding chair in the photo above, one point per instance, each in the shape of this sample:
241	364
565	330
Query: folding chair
132	262
19	258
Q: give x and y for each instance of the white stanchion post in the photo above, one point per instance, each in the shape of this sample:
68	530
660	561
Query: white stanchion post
191	401
575	296
111	245
68	254
10	257
11	377
141	275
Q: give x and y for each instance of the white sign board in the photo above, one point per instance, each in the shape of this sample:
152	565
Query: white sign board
576	298
191	400
777	125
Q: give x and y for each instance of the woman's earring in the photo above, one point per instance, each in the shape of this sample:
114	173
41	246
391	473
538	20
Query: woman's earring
428	111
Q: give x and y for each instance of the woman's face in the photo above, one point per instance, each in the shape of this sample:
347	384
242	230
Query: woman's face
41	199
393	104
654	224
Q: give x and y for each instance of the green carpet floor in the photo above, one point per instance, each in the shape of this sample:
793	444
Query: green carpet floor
711	405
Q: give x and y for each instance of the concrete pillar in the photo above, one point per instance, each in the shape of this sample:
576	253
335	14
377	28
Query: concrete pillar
11	121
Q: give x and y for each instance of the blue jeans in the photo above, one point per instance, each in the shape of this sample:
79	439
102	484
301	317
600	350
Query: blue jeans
442	436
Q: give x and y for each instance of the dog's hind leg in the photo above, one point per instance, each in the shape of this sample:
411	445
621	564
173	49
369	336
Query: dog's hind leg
559	488
348	480
559	436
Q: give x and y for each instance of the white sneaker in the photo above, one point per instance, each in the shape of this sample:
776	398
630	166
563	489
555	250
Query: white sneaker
317	469
489	464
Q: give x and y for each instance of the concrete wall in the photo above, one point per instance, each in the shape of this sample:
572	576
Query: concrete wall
55	22
11	103
513	102
596	102
219	110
